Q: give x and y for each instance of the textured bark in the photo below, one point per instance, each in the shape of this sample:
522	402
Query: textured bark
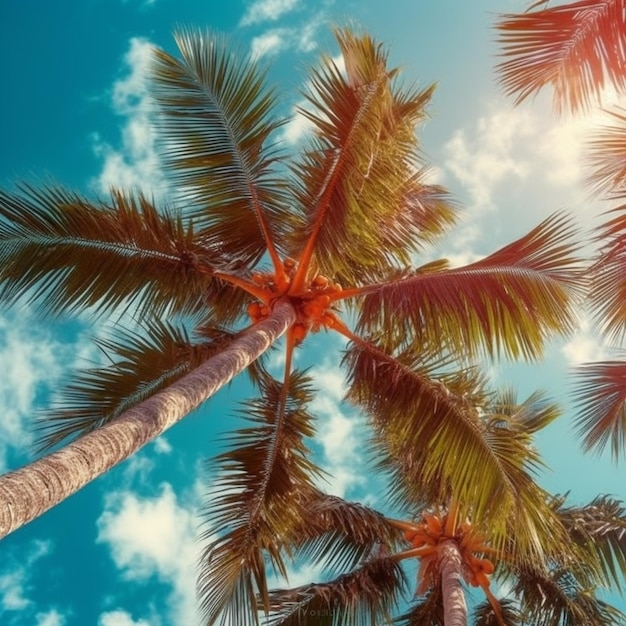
31	490
450	564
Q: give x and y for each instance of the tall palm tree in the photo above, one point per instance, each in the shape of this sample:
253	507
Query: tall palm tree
262	245
580	49
267	513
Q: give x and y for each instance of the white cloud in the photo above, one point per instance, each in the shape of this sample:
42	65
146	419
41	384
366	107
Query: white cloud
15	584
154	537
119	618
338	433
483	158
585	346
267	10
135	165
50	618
269	43
31	361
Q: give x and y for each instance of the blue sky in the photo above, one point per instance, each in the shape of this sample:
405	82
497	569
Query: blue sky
122	551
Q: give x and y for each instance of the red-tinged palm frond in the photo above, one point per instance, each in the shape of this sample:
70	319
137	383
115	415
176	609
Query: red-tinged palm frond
440	434
215	120
608	287
510	302
606	155
362	199
601	398
58	249
340	534
262	484
556	598
599	530
366	596
140	363
426	611
484	615
579	48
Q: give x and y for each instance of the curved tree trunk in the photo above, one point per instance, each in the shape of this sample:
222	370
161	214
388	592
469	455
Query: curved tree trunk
450	564
31	490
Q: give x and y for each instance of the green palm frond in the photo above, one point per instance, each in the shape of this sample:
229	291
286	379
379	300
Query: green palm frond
606	155
363	597
263	482
484	615
215	121
578	47
510	302
557	599
359	186
600	393
60	250
440	434
608	286
340	534
426	611
142	362
599	529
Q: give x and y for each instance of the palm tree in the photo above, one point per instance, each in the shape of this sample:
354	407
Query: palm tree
264	245
580	49
267	513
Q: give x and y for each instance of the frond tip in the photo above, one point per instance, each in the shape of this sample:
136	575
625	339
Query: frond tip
579	48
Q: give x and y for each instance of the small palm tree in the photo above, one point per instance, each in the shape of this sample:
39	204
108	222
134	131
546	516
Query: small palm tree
263	246
262	521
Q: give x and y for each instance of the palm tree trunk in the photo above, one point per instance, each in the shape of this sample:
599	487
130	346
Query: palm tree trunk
31	490
450	564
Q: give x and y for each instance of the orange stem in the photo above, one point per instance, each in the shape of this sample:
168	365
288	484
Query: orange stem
246	285
495	605
414	552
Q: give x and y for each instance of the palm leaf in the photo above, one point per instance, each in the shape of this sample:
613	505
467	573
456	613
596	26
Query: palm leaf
599	529
557	599
215	120
608	287
510	302
362	198
601	398
59	249
340	534
579	48
142	363
606	155
426	611
484	615
262	485
431	435
361	598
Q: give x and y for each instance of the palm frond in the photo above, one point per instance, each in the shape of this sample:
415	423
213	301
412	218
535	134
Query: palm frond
599	529
142	362
557	599
426	611
431	434
363	597
600	393
509	302
359	187
606	155
215	120
579	48
608	288
340	534
68	254
263	482
484	615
